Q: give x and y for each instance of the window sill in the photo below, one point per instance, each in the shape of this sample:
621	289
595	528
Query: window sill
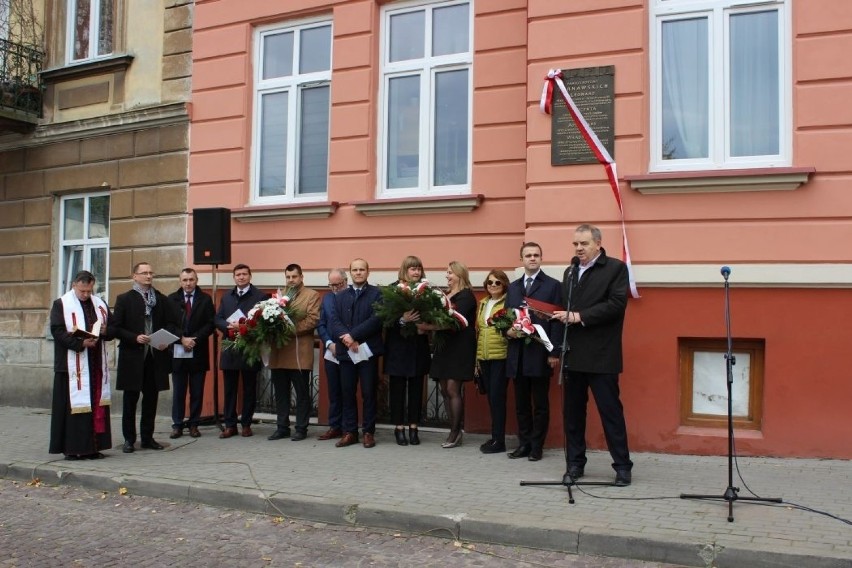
87	68
322	210
419	205
759	179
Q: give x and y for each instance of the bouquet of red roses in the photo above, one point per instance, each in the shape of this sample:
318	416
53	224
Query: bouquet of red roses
519	319
429	301
270	323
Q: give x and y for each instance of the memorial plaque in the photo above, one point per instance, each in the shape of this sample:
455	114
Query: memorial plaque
593	91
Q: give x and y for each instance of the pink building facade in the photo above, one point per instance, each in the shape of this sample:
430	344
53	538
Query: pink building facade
362	128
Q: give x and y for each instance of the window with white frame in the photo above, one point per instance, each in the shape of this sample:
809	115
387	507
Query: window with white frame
90	29
293	101
426	98
84	240
721	84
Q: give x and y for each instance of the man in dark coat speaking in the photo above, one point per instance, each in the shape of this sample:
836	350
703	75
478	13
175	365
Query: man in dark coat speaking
593	360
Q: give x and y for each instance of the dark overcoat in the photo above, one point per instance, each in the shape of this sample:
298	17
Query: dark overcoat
127	323
601	299
356	317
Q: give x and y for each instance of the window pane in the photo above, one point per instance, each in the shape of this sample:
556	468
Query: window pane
81	29
99	217
685	98
72	260
273	144
709	384
105	28
278	55
407	35
451	127
450	28
97	266
315	50
755	99
73	219
313	141
403	131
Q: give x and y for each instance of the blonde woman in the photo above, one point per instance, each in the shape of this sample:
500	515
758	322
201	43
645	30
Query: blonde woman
455	356
491	347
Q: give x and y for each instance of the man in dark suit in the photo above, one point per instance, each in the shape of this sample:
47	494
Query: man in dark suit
529	362
143	368
593	358
353	325
243	297
337	281
190	356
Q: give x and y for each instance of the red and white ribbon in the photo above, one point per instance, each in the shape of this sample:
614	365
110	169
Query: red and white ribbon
554	76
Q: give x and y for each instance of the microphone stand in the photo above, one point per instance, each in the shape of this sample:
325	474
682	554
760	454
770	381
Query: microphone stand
216	361
569	284
731	493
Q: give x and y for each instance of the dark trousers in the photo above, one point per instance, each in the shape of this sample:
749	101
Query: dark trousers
194	381
335	395
399	387
496	385
575	393
367	373
232	383
150	395
300	380
532	408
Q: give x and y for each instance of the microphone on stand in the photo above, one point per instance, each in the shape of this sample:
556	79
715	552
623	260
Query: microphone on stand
575	262
726	271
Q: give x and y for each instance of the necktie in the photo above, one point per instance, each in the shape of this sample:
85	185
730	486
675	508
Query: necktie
357	293
528	285
188	305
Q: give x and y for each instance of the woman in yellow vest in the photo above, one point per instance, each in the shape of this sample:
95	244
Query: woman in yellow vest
491	359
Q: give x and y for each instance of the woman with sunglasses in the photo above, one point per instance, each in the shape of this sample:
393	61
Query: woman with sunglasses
406	361
491	348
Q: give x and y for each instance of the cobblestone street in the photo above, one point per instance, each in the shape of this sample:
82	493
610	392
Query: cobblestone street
68	526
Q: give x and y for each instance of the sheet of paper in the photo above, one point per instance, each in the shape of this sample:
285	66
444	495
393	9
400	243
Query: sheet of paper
235	317
364	352
162	337
181	353
329	356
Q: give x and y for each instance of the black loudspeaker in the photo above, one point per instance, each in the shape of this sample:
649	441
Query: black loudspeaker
211	235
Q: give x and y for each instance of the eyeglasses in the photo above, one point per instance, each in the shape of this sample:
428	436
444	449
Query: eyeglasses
336	286
493	283
145	273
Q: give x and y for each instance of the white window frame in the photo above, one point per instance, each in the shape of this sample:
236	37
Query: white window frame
426	67
293	85
94	31
83	246
718	13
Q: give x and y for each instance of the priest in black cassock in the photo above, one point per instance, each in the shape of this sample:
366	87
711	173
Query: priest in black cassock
79	423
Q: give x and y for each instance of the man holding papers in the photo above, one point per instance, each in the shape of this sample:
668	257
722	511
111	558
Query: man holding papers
190	355
235	305
358	339
146	323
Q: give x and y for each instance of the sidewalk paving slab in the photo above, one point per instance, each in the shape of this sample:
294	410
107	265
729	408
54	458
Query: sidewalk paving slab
463	494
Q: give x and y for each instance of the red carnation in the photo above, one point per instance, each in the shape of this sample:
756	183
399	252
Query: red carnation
231	334
243	329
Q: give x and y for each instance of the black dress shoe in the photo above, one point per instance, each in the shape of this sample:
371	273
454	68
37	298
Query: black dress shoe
520	452
279	435
299	436
128	448
486	444
535	455
399	434
575	472
493	447
622	477
95	456
74	457
152	444
414	436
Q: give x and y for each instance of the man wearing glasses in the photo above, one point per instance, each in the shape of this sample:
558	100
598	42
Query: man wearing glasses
337	281
143	368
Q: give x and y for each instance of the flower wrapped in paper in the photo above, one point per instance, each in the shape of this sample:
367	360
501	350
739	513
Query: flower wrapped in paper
270	323
519	320
429	301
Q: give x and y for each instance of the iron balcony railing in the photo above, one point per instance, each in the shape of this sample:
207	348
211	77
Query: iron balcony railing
21	87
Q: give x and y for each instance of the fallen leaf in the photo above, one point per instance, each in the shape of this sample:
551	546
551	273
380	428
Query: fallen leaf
122	490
